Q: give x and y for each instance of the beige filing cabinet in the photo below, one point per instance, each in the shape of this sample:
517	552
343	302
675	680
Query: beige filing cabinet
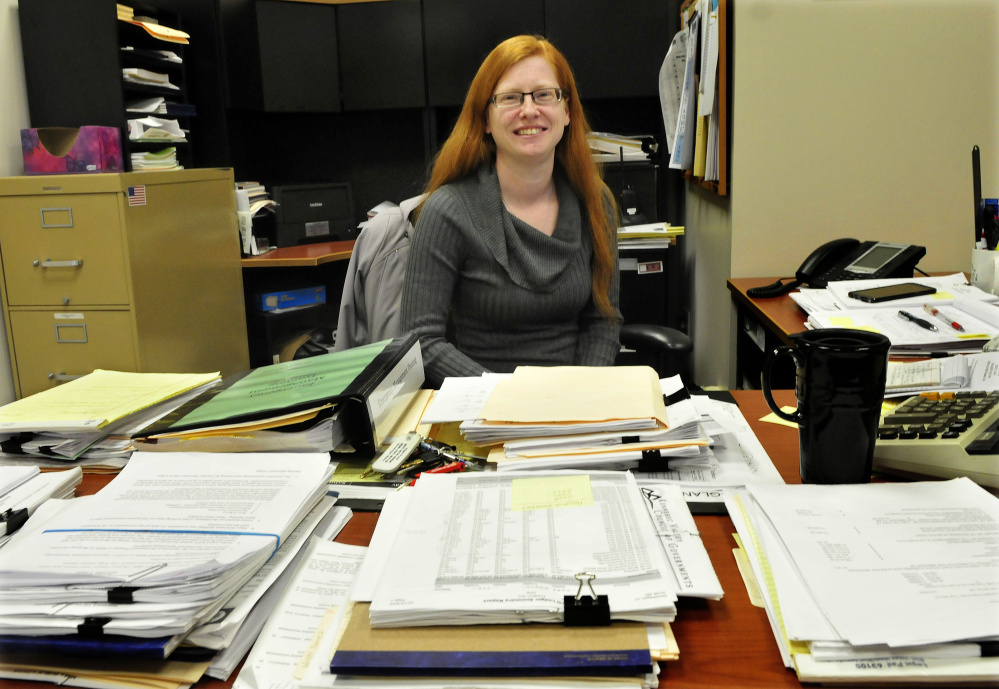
130	272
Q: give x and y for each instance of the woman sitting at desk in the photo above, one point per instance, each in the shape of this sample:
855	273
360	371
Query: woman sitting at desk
514	257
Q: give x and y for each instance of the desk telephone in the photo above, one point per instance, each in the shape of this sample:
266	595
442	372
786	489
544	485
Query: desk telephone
848	259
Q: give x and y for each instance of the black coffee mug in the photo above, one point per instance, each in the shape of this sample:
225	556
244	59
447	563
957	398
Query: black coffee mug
840	385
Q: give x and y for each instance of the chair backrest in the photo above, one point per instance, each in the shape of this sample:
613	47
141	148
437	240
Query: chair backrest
372	290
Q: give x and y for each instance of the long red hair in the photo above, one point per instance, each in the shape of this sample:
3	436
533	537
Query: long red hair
469	146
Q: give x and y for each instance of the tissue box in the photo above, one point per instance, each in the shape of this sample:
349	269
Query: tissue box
70	150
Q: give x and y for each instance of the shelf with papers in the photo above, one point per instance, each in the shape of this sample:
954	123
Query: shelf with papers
722	81
74	57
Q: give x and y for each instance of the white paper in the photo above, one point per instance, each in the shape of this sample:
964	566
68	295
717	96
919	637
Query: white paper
682	157
740	458
671	84
176	498
677	531
291	636
460	399
709	66
897	564
949	288
497	564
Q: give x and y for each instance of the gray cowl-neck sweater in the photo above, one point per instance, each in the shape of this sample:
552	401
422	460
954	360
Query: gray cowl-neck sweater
485	291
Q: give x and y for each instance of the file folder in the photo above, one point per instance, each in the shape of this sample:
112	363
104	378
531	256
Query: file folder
492	650
372	386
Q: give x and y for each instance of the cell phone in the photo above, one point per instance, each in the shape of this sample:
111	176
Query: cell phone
889	292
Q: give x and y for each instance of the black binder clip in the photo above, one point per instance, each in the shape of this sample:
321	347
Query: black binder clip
13	520
589	611
92	627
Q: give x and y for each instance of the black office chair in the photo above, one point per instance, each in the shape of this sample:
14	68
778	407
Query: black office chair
666	350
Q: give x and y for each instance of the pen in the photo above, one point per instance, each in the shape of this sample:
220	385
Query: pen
930	309
918	321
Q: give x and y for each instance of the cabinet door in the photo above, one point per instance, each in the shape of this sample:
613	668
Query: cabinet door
71	67
615	48
298	57
53	345
460	33
381	55
62	250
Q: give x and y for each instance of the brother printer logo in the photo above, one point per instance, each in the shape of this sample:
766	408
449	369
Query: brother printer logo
317	204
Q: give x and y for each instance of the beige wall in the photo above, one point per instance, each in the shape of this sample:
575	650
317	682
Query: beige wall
851	118
13	118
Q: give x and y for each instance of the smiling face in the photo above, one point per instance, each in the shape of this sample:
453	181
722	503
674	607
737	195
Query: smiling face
528	131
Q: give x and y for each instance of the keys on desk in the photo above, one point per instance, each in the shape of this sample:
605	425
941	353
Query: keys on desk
413	454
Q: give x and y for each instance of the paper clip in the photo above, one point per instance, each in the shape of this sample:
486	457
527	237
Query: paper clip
589	611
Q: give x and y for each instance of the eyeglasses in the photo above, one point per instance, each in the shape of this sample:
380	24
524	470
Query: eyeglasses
548	96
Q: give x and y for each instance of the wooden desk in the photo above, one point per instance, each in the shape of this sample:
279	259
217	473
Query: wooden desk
723	644
293	267
762	325
304	255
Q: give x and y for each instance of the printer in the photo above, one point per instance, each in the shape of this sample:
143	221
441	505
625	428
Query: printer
310	213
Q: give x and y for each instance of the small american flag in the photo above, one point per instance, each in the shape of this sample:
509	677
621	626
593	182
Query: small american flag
137	195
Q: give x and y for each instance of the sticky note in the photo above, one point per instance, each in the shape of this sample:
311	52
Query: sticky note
773	418
551	492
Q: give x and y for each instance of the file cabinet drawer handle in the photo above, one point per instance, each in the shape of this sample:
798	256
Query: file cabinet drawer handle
59	264
66	220
68	329
63	377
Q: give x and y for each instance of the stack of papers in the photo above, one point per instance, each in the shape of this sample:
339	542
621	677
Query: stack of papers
609	147
160	550
164	159
546	528
737	459
582	417
165	55
657	235
93	417
24	488
155	129
146	77
976	310
152	26
979	372
877	582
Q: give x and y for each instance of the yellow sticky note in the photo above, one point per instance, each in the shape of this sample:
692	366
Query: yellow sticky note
550	492
847	322
773	418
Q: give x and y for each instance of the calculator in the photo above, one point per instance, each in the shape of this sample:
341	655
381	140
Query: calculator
944	435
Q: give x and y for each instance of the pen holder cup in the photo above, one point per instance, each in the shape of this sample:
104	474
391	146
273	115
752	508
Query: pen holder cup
984	272
840	385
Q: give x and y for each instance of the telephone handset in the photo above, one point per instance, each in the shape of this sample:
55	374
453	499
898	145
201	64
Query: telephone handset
848	259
